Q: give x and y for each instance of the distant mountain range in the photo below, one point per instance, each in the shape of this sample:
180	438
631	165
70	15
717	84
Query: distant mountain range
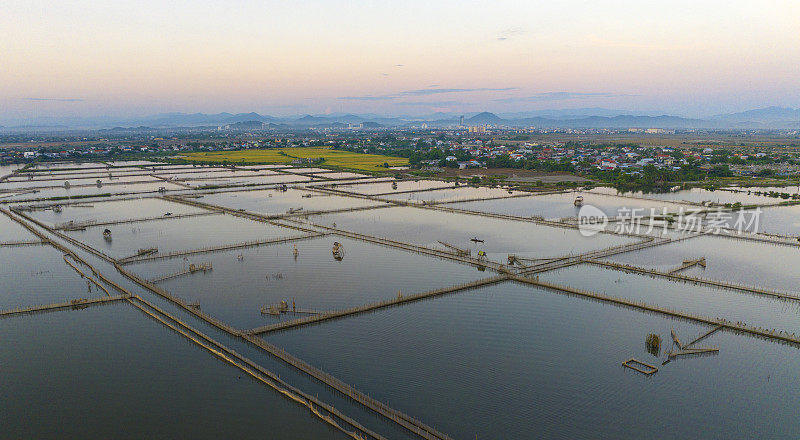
766	118
771	116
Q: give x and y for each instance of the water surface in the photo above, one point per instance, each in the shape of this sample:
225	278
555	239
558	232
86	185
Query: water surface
180	234
236	289
110	372
712	302
556	206
38	275
738	261
275	201
500	237
115	210
512	362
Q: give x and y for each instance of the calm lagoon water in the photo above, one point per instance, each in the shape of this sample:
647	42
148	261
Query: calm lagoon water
307	170
506	361
274	201
179	234
345	184
452	194
511	361
110	372
793	189
106	211
261	180
38	275
501	237
8	169
60	183
555	206
220	173
738	261
12	231
88	174
701	300
94	190
695	195
132	163
67	165
330	175
405	185
782	220
235	290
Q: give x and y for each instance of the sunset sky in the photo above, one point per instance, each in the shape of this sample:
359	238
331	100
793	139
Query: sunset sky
693	58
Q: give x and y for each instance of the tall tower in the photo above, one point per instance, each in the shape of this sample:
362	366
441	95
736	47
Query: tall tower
461	121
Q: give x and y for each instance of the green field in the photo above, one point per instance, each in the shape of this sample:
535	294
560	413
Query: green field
333	158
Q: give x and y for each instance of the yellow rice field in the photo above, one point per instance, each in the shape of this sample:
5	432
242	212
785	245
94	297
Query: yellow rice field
333	158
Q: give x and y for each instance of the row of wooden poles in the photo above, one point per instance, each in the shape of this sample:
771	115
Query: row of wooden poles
364	399
407	422
646	242
696	280
724	323
320	409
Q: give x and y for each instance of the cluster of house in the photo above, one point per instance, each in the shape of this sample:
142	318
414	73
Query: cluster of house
465	152
13	154
628	159
26	153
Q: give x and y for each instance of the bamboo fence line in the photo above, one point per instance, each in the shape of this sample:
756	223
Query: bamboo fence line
374	306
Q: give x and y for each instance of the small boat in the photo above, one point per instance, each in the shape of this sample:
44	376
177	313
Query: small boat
476	240
338	251
578	201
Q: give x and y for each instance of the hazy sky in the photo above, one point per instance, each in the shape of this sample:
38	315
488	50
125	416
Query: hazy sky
118	58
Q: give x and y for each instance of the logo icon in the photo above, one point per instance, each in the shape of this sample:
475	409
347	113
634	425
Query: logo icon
591	220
